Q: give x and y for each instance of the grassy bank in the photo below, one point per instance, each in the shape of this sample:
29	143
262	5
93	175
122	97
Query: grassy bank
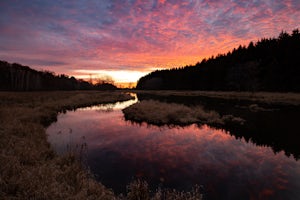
161	113
30	169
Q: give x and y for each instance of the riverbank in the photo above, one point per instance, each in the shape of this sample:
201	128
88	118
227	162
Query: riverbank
161	113
29	167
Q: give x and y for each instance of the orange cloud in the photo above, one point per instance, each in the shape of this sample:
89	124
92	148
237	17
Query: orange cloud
134	35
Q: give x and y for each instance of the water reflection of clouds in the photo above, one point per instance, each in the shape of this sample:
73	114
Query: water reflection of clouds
190	155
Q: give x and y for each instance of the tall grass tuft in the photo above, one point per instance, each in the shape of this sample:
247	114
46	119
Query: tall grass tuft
139	190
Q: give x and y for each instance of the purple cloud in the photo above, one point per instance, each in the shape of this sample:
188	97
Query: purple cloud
139	34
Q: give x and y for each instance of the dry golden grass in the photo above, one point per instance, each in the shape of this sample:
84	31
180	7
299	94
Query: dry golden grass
160	113
29	167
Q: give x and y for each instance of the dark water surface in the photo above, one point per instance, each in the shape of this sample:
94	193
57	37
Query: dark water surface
119	151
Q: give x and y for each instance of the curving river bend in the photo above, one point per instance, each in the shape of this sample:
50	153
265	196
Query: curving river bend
119	151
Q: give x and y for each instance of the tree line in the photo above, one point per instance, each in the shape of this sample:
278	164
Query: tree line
16	77
270	64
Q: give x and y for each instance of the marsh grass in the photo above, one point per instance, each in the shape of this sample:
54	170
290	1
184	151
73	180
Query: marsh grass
29	168
161	113
138	190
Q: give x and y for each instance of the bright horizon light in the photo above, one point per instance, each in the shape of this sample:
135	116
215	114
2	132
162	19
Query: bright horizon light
121	76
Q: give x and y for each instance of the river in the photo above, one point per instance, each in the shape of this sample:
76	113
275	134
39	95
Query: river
117	152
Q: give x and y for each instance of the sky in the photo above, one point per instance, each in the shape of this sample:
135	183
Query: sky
126	39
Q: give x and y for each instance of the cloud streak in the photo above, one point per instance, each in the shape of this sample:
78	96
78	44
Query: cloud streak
141	35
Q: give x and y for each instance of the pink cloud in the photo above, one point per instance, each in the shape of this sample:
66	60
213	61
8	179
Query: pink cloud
136	34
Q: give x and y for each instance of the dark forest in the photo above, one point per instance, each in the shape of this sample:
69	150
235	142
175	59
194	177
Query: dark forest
16	77
270	64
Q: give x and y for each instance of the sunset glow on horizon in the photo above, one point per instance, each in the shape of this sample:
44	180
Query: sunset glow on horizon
128	39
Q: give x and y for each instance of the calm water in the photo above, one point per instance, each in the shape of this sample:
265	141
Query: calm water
118	152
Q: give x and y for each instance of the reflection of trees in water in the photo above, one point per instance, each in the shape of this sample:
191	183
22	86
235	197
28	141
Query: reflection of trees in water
271	125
